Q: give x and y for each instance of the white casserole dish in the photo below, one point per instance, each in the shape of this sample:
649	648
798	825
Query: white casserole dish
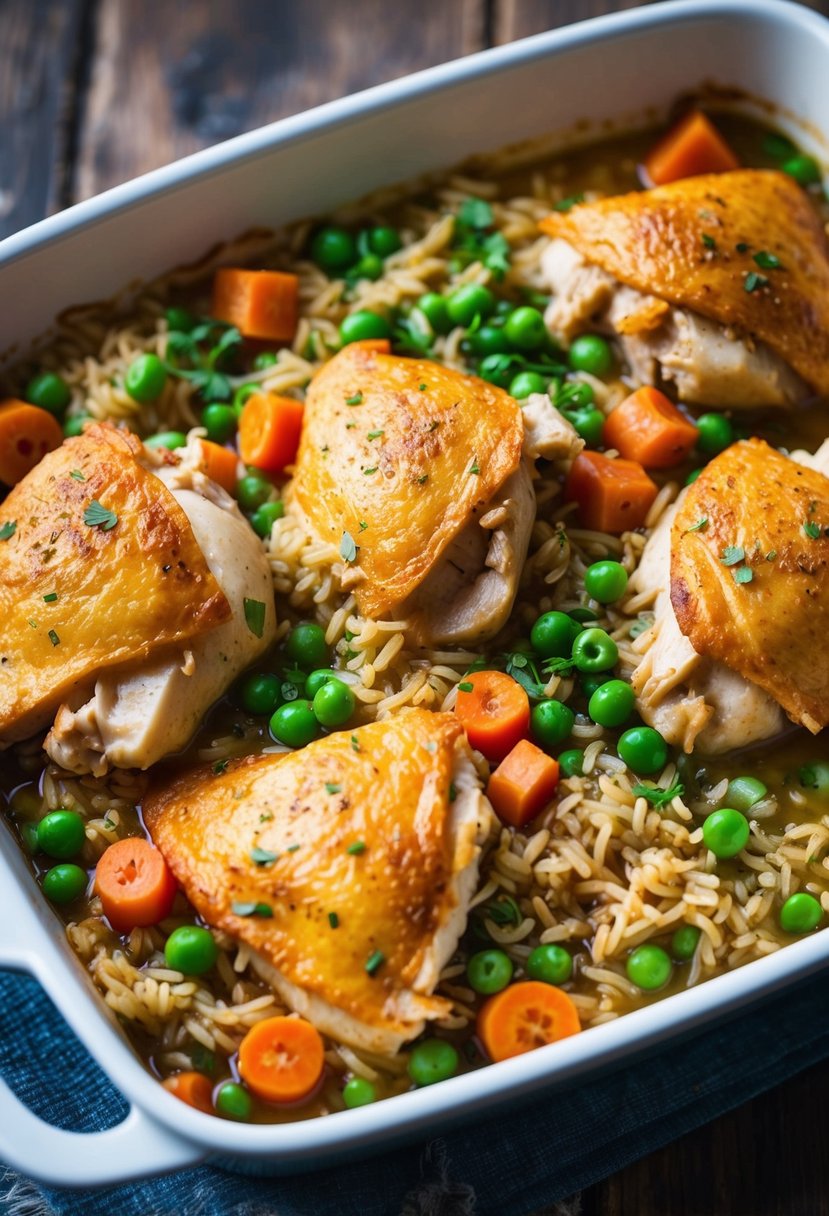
305	165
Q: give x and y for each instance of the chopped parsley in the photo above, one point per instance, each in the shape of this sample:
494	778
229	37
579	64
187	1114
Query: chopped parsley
53	638
700	525
375	434
263	857
331	787
421	481
98	516
51	598
348	549
252	909
255	616
503	911
363	526
812	530
333	920
475	467
743	575
356	848
771	555
8	530
754	280
465	686
767	261
220	766
453	791
368	472
475	239
741	247
708	241
292	848
732	554
77	475
357	399
375	961
659	797
422	388
476	213
355	743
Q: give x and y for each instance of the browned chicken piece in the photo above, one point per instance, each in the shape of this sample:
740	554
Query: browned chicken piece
717	284
750	574
416	473
346	868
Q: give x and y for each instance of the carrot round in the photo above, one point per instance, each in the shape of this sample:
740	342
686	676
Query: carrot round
522	784
612	495
194	1088
525	1016
135	884
494	710
260	303
281	1059
27	433
219	464
648	427
269	431
693	146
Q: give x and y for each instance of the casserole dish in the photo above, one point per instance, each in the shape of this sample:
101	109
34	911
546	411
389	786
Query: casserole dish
277	173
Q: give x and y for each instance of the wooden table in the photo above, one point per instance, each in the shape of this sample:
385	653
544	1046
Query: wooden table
93	92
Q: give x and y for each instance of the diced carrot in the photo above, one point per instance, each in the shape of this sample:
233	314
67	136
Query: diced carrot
135	884
494	711
27	433
194	1088
524	1016
281	1059
612	495
522	784
269	431
219	464
260	303
648	427
693	146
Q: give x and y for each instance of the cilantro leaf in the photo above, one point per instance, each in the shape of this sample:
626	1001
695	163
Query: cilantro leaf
98	516
658	797
732	554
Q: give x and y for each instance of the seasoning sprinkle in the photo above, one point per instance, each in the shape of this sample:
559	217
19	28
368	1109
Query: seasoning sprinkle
53	638
700	525
708	241
50	598
771	555
421	481
97	515
356	848
333	920
475	468
8	530
292	848
741	247
263	857
375	434
422	388
375	961
453	791
355	743
367	472
331	787
812	530
767	261
357	399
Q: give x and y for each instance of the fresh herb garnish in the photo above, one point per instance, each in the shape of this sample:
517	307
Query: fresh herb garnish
8	530
812	529
732	554
708	241
741	247
292	848
255	616
754	280
252	909
743	575
771	555
767	261
51	598
656	796
476	213
357	399
465	686
355	743
356	848
453	791
368	472
333	920
201	355
348	549
331	787
475	241
220	767
263	857
421	481
564	204
77	475
53	638
375	961
503	911
700	525
98	516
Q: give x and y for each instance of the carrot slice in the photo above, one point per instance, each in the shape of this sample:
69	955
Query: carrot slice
693	146
219	464
135	884
27	433
522	784
260	303
281	1059
194	1088
525	1016
494	710
648	427
612	495
269	431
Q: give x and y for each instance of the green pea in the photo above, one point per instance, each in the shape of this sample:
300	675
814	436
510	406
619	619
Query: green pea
801	913
357	1091
61	834
316	679
551	964
578	396
590	681
242	394
74	426
369	267
334	703
191	949
219	421
265	358
571	762
49	391
525	383
384	241
145	378
489	340
525	328
260	693
743	792
606	581
333	249
804	169
551	723
612	703
725	832
716	433
306	645
436	312
684	942
64	883
179	320
263	518
643	749
594	650
432	1060
552	635
468	302
590	353
815	776
588	424
253	490
489	971
649	967
363	324
294	724
234	1101
167	439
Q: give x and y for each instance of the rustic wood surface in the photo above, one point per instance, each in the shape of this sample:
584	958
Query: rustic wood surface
93	92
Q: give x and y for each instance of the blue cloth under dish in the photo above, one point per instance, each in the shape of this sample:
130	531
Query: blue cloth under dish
507	1166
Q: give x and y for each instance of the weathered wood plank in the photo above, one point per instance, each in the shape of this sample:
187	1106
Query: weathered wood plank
230	65
37	63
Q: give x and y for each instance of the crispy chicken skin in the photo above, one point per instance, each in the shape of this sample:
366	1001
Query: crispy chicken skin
766	516
122	592
364	831
692	245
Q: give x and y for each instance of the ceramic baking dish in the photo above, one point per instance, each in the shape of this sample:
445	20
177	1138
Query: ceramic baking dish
630	66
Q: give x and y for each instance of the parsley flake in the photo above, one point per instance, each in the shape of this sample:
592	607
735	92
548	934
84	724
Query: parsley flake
50	598
263	857
767	261
331	787
475	467
356	848
564	204
743	575
98	516
375	961
357	399
732	554
333	920
53	638
476	213
466	686
741	247
656	796
220	766
453	791
422	388
708	241
812	530
771	555
700	525
754	280
8	530
375	434
363	526
355	743
421	481
252	909
368	472
292	848
255	616
348	549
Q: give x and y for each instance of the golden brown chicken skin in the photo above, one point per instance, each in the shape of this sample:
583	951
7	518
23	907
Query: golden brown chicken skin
750	574
346	866
745	249
99	566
